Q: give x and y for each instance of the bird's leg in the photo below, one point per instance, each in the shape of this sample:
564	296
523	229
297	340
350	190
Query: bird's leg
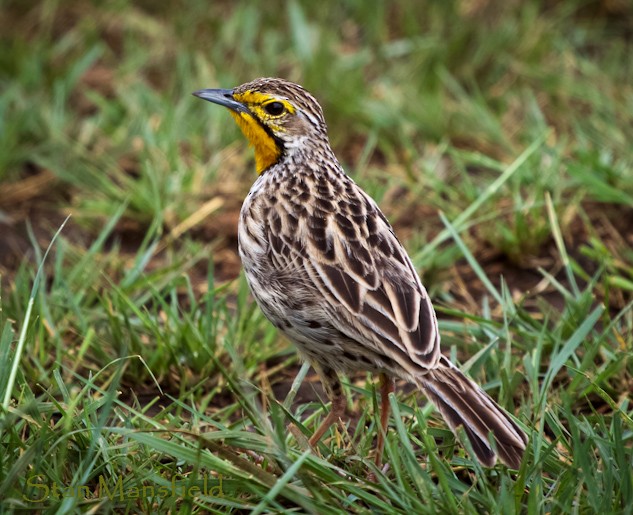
334	391
387	385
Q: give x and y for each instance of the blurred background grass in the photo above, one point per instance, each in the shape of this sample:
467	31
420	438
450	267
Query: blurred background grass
141	323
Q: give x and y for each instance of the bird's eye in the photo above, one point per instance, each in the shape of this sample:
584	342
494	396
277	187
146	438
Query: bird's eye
274	108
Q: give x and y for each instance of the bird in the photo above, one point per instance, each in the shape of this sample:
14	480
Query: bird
326	268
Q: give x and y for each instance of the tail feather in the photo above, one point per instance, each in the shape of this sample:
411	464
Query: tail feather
462	403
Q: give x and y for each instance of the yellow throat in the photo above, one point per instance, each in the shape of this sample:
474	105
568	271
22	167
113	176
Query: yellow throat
267	151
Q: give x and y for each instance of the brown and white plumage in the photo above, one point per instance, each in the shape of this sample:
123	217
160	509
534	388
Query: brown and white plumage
326	268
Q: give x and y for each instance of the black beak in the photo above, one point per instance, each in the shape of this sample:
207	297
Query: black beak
223	97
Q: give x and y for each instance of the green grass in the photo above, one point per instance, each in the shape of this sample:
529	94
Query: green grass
137	374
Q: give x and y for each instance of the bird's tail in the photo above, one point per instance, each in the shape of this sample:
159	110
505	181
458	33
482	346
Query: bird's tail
462	403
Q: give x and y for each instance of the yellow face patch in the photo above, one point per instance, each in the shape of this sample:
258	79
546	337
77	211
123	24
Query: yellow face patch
267	150
256	100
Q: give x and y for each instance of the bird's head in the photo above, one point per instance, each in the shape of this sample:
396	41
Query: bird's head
276	116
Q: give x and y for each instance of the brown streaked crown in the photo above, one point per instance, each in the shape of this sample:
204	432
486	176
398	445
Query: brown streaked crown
305	106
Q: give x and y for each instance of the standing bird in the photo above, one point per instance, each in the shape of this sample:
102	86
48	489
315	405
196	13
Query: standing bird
327	270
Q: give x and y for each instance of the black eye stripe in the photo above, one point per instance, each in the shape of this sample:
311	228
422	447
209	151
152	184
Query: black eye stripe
274	108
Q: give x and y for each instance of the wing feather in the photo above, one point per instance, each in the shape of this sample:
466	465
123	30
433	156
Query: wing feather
387	304
365	279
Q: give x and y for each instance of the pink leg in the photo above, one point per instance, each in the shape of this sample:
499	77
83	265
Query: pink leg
334	391
387	385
